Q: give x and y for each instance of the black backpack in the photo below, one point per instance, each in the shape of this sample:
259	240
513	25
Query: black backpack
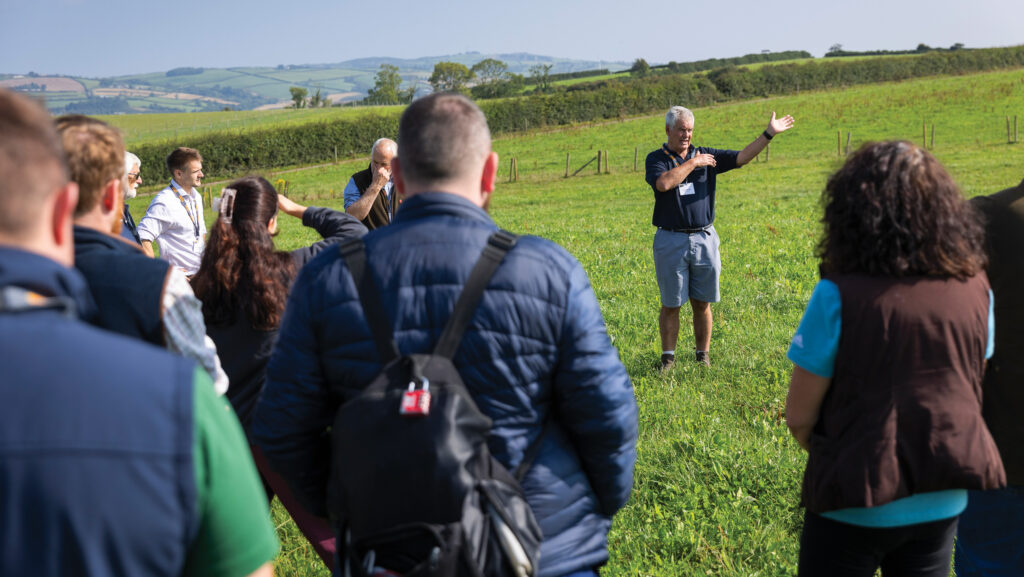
413	488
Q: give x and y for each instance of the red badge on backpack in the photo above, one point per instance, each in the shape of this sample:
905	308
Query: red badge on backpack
416	402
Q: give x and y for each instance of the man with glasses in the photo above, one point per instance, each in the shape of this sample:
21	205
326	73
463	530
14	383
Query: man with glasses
174	218
133	176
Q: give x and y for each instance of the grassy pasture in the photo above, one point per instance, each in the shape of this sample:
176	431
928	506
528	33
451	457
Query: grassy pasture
717	479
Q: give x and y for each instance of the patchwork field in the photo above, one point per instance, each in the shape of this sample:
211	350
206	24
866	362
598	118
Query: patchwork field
717	478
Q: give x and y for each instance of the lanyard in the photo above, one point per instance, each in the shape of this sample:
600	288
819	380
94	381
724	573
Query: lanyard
193	219
671	155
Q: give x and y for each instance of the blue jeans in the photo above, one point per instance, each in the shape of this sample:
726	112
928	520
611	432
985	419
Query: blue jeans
990	540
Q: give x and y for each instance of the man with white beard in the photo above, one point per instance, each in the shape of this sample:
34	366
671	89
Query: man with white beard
133	178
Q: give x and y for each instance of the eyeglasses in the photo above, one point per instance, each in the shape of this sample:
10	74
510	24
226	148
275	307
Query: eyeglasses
133	175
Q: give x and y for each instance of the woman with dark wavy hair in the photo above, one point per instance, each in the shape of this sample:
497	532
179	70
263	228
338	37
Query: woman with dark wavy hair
243	283
888	360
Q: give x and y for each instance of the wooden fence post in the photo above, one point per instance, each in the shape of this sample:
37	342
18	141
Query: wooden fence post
1008	141
933	136
511	167
924	134
515	162
636	153
606	171
599	162
567	156
839	143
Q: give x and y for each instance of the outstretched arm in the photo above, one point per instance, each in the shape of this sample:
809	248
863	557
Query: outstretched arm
775	126
290	207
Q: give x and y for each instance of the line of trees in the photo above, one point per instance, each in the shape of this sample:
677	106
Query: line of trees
299	100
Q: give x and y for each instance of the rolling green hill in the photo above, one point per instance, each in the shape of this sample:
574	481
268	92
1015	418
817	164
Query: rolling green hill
247	88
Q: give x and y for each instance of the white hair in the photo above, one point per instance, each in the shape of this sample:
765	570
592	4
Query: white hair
676	113
384	142
130	160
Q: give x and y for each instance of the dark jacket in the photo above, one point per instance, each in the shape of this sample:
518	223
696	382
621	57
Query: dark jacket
902	414
127	285
381	211
536	349
129	231
243	350
1003	213
334	226
97	468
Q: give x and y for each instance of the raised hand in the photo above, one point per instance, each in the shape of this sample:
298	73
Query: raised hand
777	125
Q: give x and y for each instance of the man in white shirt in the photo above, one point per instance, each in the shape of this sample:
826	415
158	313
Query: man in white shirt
174	218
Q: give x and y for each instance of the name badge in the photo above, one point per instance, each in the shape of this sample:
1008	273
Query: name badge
686	189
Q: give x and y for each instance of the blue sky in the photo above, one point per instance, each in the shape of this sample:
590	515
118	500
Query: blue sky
112	37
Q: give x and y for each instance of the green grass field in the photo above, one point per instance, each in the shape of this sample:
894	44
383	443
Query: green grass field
717	477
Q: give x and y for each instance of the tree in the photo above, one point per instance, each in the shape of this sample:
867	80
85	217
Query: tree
318	101
835	48
490	70
450	77
386	86
540	76
495	81
923	48
640	68
298	96
957	46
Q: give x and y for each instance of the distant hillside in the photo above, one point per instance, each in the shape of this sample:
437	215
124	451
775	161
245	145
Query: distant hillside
248	88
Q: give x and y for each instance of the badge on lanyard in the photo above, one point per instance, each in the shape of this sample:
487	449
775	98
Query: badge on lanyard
686	189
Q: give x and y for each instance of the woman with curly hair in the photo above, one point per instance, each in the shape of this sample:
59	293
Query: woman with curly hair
888	361
243	283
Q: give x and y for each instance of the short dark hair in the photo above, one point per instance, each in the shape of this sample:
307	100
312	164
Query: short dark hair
440	137
95	156
181	156
31	162
893	210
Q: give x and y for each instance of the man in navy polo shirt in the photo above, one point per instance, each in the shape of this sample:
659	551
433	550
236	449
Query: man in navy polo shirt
686	259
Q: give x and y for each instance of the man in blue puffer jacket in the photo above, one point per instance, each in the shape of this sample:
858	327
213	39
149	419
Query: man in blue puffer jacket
536	348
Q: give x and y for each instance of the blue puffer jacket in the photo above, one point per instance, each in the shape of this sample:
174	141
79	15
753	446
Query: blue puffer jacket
536	348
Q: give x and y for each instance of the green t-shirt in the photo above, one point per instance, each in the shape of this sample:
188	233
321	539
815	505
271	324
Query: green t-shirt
235	535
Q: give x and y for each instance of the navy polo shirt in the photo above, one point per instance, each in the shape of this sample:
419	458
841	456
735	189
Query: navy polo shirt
692	203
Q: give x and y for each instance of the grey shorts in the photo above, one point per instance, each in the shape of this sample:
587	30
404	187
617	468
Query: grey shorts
687	266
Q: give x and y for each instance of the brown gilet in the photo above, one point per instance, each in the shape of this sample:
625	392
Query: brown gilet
903	412
378	215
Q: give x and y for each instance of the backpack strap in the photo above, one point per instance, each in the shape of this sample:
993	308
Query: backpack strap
498	245
354	253
531	452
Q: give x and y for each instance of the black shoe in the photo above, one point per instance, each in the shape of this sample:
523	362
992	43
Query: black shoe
702	358
667	360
